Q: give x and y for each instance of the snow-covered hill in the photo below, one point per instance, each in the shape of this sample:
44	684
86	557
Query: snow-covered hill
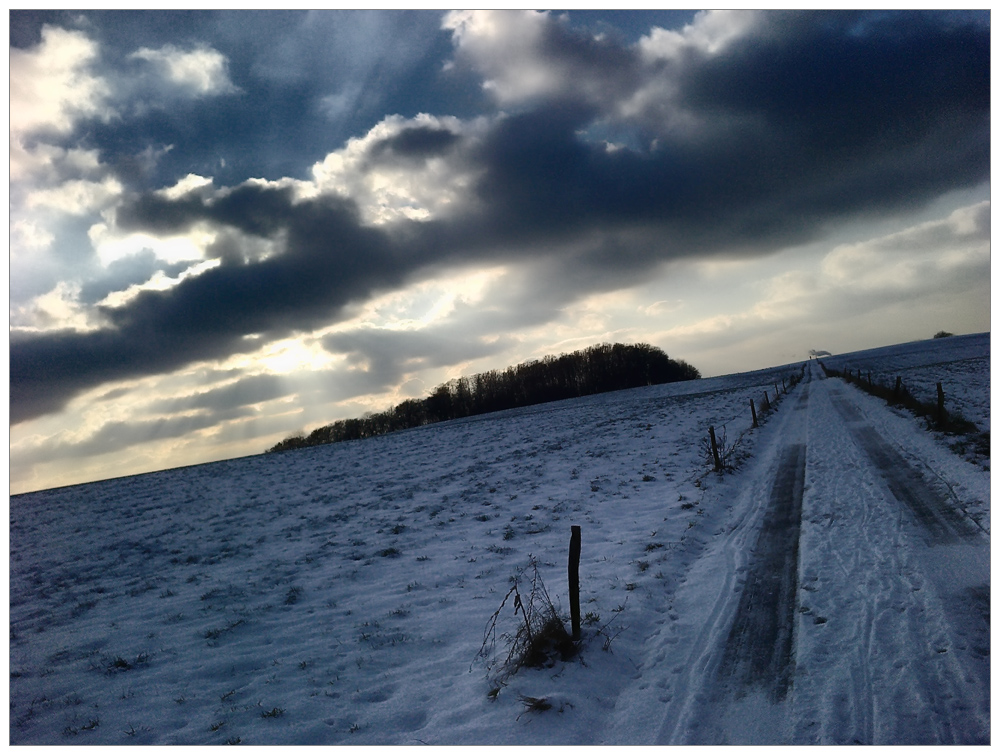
960	363
340	594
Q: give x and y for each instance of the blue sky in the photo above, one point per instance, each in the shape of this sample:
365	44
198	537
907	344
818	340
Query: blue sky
229	227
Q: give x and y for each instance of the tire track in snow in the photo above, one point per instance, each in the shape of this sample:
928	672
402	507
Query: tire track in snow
760	647
930	509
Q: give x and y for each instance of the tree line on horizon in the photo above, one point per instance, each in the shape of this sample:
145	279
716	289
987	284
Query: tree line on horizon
596	369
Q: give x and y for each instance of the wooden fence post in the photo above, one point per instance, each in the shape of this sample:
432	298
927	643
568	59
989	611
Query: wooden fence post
767	403
753	413
783	388
574	580
715	448
941	416
899	384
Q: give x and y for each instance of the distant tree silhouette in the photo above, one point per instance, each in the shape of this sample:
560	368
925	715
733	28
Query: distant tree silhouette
943	334
597	369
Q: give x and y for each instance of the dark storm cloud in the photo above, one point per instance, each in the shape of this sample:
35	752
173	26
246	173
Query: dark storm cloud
250	208
330	260
419	142
817	117
799	127
825	91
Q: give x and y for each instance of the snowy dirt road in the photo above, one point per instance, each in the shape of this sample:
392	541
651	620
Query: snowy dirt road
861	612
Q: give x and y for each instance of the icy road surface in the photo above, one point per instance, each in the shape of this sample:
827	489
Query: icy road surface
834	589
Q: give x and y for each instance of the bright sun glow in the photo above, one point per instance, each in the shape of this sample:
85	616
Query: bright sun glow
290	355
111	246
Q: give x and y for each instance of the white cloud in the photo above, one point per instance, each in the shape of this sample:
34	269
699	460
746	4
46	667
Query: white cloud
387	189
190	182
507	46
664	53
890	288
526	55
54	310
520	57
917	259
159	282
202	71
662	307
709	33
29	235
786	296
46	164
77	197
51	85
424	304
343	103
514	53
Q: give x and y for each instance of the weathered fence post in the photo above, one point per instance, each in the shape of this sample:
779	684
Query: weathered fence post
715	448
767	403
869	378
574	580
783	388
941	415
899	384
753	413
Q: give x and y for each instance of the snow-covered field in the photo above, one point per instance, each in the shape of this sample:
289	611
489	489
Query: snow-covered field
960	363
339	594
